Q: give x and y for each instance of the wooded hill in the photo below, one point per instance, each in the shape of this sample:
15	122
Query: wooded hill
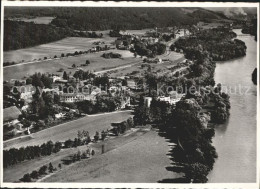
19	34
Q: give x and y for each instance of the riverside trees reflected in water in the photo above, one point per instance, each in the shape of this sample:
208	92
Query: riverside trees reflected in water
235	140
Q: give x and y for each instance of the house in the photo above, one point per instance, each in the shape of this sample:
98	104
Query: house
55	90
72	97
56	78
125	102
131	84
21	81
26	92
59	115
147	101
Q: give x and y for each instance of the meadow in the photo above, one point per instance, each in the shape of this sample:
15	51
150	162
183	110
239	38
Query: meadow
97	63
36	20
49	50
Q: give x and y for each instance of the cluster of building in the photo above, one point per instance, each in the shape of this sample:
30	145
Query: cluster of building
172	99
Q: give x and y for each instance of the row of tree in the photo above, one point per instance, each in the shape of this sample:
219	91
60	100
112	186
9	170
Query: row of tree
14	155
34	175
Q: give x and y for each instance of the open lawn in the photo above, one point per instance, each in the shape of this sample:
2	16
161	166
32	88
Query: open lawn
67	45
91	123
140	158
97	63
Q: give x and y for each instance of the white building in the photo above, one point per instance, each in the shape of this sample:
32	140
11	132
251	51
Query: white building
72	97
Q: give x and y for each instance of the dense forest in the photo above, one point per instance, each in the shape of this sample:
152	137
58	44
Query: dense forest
123	18
252	29
25	34
19	34
218	42
103	18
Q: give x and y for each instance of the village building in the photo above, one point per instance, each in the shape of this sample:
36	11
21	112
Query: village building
131	84
26	92
20	81
75	97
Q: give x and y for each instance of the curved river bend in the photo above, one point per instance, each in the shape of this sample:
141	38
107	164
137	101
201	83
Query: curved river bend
235	141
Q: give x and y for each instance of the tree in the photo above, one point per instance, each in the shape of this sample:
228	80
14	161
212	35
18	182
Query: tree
55	56
84	155
49	147
57	147
68	143
59	165
65	76
124	82
51	168
62	55
42	170
87	62
73	66
197	172
78	156
36	80
29	81
34	174
80	134
47	81
103	135
26	123
96	137
26	178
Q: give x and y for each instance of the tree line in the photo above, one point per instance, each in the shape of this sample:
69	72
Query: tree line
19	34
14	155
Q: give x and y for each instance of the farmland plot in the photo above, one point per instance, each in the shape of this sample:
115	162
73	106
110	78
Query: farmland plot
67	45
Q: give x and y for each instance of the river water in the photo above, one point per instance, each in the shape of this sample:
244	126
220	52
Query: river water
235	141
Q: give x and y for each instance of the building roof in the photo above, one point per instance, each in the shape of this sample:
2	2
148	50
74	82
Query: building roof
11	113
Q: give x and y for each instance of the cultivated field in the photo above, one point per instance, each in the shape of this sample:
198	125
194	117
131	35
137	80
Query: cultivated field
142	159
67	45
97	63
91	123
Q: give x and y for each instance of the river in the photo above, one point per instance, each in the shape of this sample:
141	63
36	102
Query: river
235	141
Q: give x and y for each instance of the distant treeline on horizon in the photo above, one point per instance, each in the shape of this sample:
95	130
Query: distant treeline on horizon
66	19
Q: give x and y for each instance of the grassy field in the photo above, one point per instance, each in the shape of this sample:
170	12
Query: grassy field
36	20
67	45
172	56
69	130
97	63
137	159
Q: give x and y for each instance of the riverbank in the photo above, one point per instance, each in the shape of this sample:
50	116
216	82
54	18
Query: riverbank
235	140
